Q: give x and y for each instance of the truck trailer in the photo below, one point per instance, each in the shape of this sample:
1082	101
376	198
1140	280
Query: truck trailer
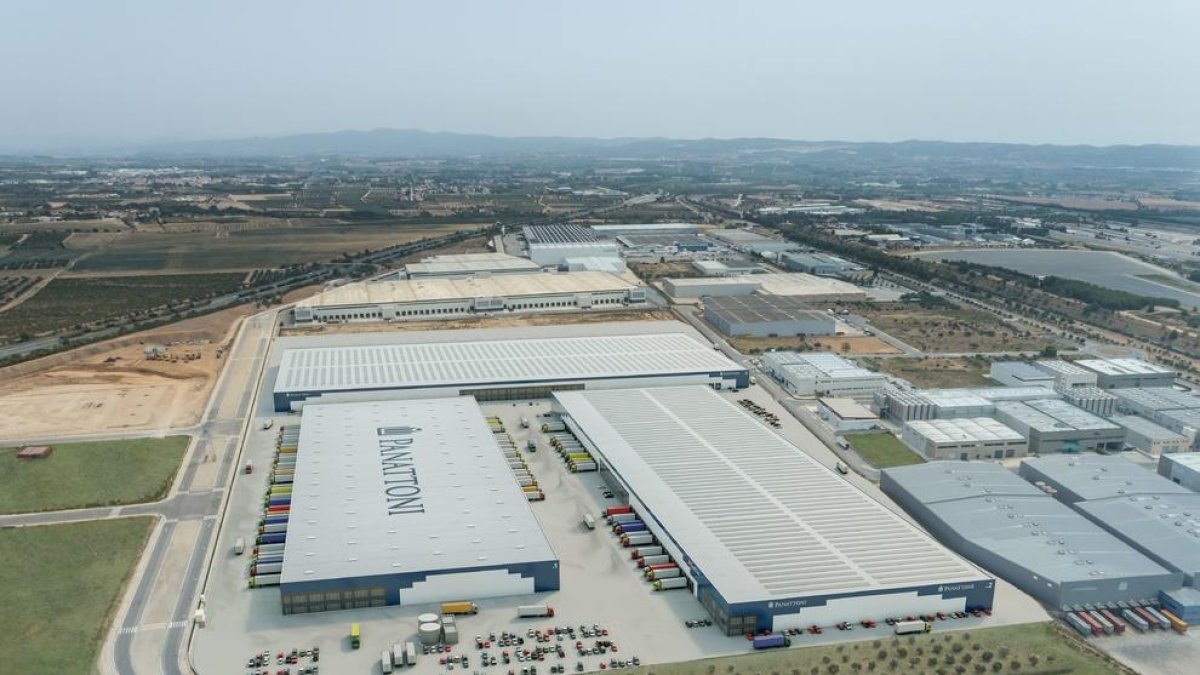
531	611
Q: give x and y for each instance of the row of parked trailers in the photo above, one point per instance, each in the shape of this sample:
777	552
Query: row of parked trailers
516	463
1114	620
578	459
656	564
266	560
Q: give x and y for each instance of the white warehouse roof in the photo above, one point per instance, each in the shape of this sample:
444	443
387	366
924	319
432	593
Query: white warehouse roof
391	487
1122	367
757	516
964	430
470	263
497	361
442	289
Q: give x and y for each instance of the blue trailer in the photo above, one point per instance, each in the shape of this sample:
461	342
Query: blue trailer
771	641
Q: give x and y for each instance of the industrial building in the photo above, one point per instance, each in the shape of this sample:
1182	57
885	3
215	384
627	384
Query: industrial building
1181	469
909	404
751	242
1043	547
621	229
669	244
1093	477
1122	373
767	538
1067	374
821	374
427	298
804	287
500	369
1138	506
963	438
824	265
1149	438
1020	374
846	414
1092	399
1057	426
1149	402
406	502
766	316
725	268
1185	422
469	264
552	245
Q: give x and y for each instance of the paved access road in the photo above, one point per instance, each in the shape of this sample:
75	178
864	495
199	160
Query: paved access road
188	515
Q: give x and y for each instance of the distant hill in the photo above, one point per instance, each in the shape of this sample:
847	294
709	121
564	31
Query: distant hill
385	143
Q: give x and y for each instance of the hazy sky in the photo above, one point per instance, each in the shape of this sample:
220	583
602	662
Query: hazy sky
1054	71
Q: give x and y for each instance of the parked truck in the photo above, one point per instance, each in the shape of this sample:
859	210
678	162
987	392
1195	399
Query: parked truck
531	611
459	607
553	425
385	662
909	627
355	636
239	546
669	584
772	641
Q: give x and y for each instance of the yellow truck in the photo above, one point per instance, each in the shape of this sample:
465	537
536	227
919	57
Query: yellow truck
355	636
459	607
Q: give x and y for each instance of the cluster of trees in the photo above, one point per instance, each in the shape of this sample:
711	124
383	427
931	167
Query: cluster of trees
1100	296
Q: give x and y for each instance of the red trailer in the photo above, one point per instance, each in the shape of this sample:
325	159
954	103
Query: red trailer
1118	623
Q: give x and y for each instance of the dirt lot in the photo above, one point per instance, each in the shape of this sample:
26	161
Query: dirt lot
934	372
851	344
115	385
501	321
947	329
656	270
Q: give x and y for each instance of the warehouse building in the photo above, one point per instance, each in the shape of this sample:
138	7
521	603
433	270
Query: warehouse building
1149	438
1093	477
766	316
1092	399
824	265
668	244
1149	402
500	369
621	229
1184	422
963	438
821	374
1067	374
1143	509
406	502
910	404
846	415
767	538
469	264
1122	373
725	268
805	287
750	242
1043	547
1020	374
1057	426
440	297
1182	469
552	245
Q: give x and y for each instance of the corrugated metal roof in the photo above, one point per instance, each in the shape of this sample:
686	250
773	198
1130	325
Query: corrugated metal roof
1052	415
964	429
1157	398
757	516
472	512
1165	527
441	289
1098	476
491	362
1122	367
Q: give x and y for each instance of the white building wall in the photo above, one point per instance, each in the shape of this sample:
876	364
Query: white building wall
459	585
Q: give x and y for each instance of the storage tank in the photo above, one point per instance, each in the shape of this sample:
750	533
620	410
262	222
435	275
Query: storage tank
427	617
430	633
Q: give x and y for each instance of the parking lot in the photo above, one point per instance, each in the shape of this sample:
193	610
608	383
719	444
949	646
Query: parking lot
600	584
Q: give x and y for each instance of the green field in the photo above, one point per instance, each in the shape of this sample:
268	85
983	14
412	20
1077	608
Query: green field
93	473
1030	649
935	372
67	302
882	449
61	584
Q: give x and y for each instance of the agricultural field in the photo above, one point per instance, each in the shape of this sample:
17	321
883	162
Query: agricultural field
933	372
90	473
948	329
1032	649
61	585
67	302
849	344
882	449
247	249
